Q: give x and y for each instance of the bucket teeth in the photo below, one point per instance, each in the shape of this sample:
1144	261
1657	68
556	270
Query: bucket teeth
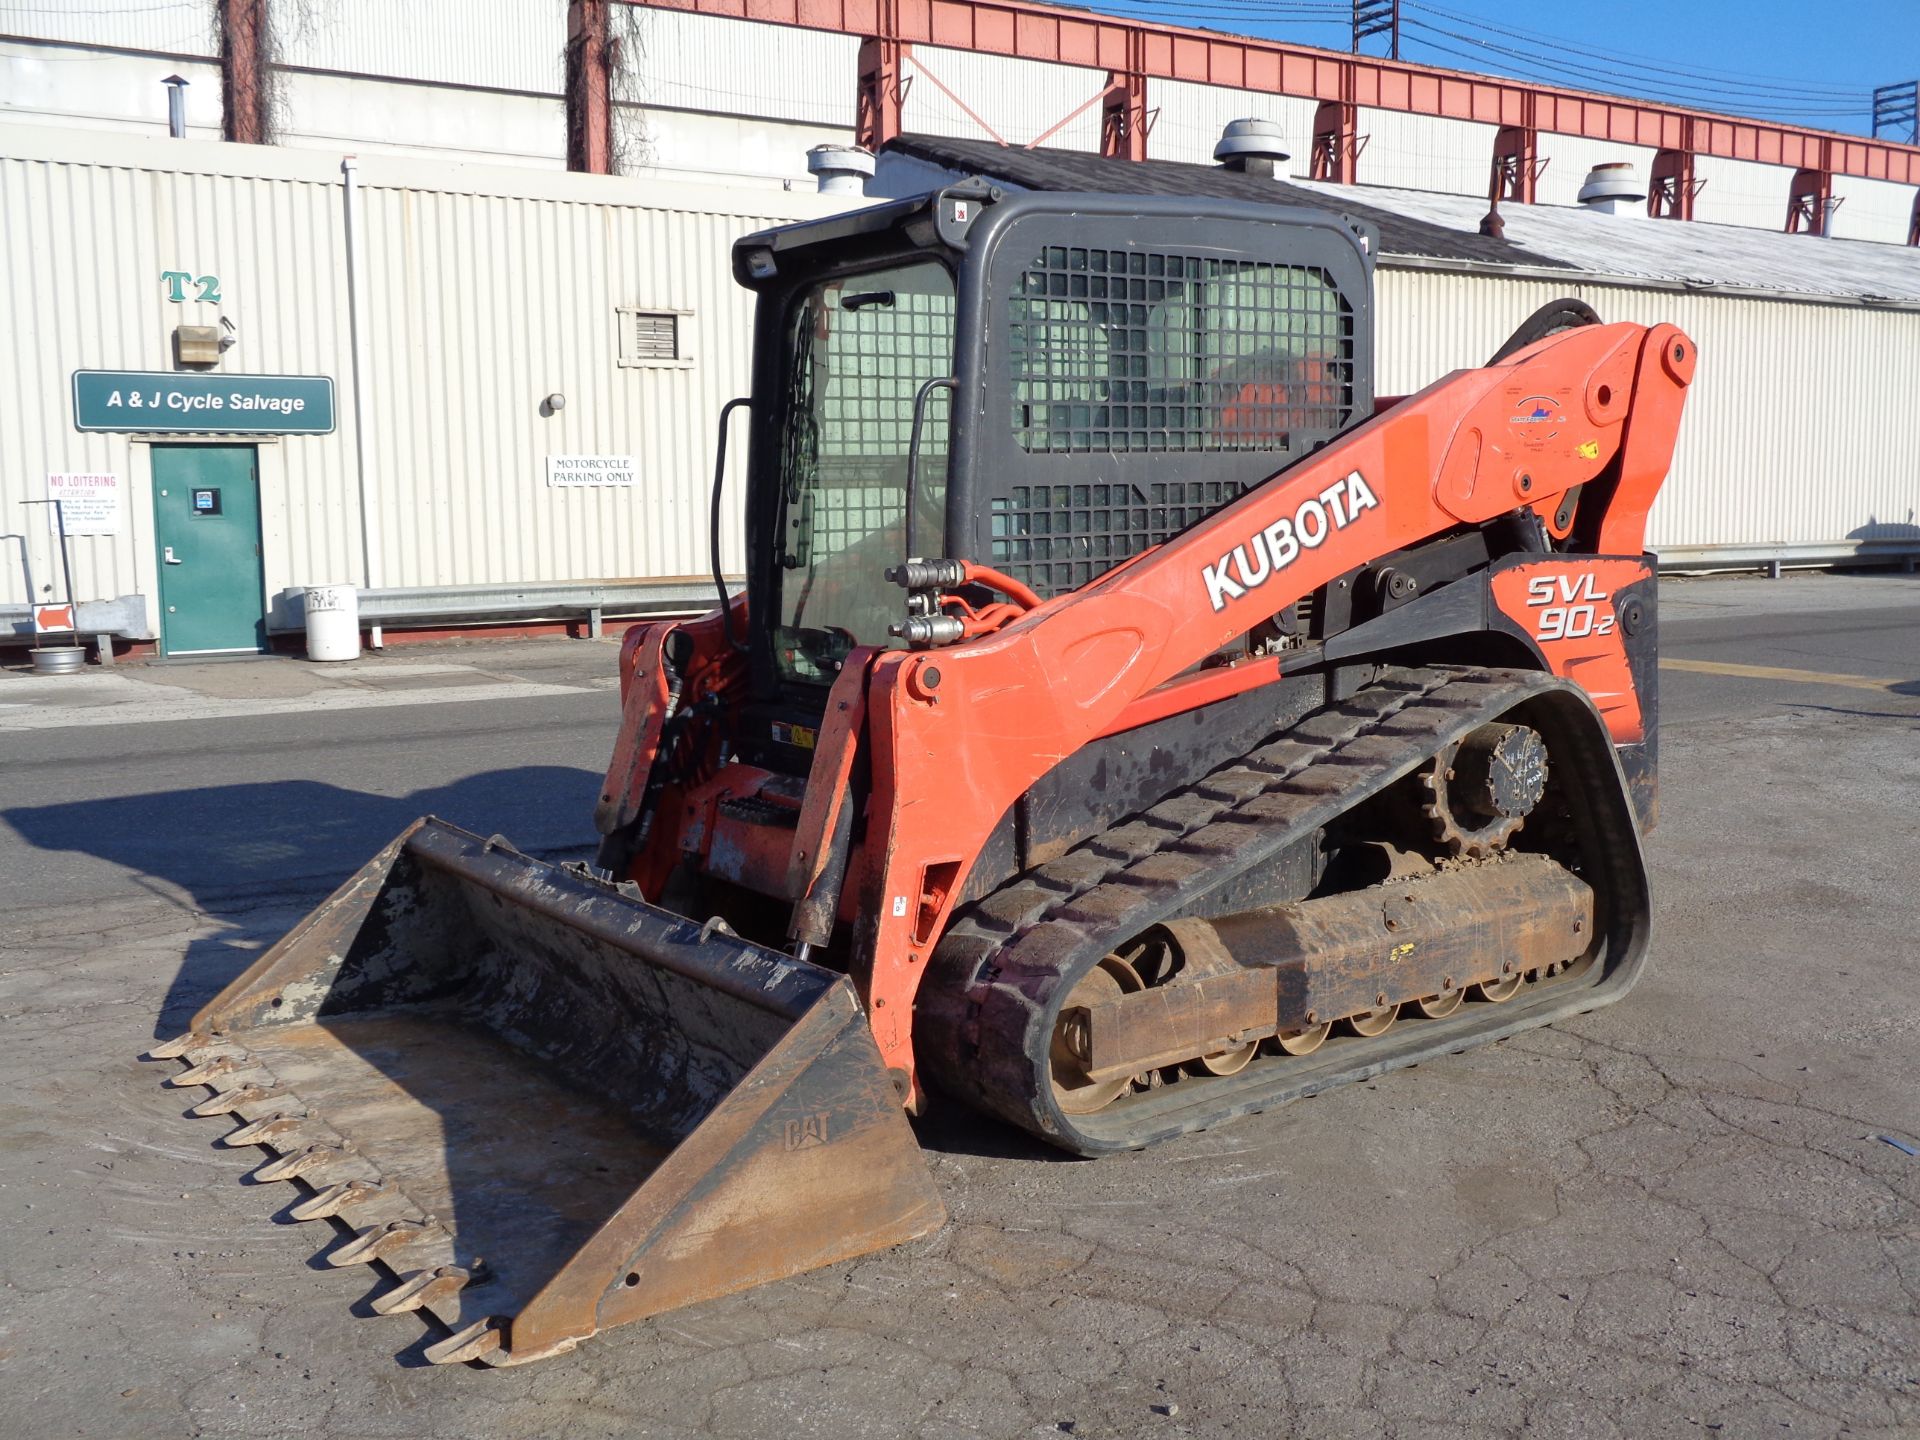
422	1288
299	1162
335	1198
212	1069
266	1130
479	1341
228	1101
377	1241
173	1049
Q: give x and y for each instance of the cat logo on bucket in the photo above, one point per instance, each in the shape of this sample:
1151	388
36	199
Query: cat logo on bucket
1270	550
806	1131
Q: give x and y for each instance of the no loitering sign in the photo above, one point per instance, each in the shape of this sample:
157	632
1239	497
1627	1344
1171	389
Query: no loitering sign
90	504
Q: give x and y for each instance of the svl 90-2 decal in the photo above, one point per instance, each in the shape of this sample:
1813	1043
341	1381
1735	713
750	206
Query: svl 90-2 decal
1569	607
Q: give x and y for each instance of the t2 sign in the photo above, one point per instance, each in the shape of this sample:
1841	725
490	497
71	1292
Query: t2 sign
177	282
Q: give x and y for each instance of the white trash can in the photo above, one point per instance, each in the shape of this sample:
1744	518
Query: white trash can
333	622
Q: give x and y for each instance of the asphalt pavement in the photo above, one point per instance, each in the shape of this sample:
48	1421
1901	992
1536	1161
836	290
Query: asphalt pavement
1684	1215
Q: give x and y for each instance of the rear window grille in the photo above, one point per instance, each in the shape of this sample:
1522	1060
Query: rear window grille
1059	537
650	337
1120	351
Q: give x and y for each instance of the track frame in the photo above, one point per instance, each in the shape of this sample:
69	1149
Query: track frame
1009	961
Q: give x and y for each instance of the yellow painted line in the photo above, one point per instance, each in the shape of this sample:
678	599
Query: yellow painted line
1771	672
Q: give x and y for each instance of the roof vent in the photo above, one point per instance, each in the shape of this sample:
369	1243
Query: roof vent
840	169
1614	189
1252	147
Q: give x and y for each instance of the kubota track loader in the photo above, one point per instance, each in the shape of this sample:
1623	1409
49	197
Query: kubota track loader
1128	722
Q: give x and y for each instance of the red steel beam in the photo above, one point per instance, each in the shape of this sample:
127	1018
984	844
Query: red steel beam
247	116
589	88
1027	31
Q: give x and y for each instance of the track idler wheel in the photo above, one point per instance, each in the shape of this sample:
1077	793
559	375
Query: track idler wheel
1073	1091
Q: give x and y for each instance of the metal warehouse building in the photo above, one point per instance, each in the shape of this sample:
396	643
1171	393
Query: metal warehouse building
511	377
515	375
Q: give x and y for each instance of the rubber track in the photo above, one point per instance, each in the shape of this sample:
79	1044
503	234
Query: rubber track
986	1013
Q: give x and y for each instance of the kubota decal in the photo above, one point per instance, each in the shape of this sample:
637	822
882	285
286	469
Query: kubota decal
1268	551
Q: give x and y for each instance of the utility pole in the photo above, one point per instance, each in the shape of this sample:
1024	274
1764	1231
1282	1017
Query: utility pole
1896	109
1377	17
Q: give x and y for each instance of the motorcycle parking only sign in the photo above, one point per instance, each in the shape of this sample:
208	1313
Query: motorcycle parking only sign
567	472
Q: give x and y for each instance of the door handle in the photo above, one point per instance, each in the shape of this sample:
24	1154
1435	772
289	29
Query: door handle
173	559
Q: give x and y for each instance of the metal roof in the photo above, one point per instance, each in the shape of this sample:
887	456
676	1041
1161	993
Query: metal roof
1048	169
1428	227
1691	254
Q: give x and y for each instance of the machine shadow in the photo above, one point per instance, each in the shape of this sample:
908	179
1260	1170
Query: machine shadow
256	856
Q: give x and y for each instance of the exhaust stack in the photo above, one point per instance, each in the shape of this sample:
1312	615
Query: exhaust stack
176	106
840	169
1614	189
1252	147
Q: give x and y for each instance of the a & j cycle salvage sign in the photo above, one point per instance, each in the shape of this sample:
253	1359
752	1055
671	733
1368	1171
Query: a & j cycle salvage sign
162	402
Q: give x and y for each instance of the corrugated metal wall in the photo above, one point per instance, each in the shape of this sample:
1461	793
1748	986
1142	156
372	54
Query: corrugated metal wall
696	62
1801	426
499	302
1423	153
487	291
505	44
174	27
1020	99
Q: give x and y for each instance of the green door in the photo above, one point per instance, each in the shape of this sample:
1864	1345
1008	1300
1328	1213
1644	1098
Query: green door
206	526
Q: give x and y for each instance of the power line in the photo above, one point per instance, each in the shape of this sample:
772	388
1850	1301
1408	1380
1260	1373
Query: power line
1704	87
1631	58
1558	73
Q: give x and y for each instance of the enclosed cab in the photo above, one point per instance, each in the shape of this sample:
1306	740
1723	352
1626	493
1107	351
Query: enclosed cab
1045	384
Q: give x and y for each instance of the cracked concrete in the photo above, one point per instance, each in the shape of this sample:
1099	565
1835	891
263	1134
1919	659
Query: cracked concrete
1671	1218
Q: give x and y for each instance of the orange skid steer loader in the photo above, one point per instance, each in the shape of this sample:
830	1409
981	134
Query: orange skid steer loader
1129	722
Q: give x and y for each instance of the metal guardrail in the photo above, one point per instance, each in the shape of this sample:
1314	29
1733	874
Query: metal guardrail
1903	552
124	617
400	607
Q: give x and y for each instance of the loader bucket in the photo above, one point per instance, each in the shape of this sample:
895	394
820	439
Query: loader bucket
542	1107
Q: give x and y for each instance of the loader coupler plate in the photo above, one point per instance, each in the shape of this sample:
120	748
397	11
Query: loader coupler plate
542	1106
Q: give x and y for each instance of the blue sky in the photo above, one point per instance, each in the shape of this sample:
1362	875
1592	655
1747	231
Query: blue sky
1812	64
